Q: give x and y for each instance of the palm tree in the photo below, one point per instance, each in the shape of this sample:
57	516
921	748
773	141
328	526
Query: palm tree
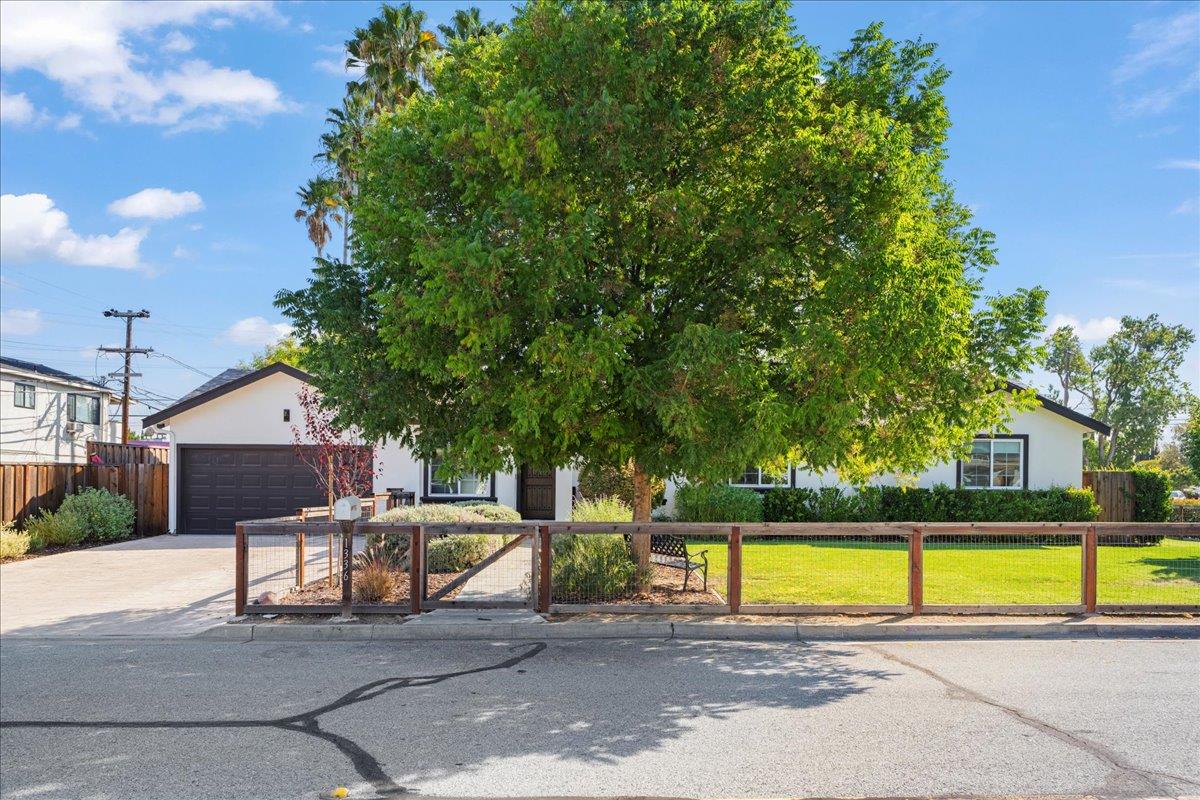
340	148
393	52
467	24
318	204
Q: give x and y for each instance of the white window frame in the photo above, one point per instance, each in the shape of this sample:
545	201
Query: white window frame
23	391
764	481
1022	478
73	408
484	482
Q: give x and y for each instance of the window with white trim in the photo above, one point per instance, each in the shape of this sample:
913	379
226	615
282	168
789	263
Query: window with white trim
757	477
468	484
83	408
24	395
995	464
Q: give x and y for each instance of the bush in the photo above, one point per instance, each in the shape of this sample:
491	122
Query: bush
492	512
586	566
58	529
939	504
716	502
13	544
602	509
374	582
457	552
430	512
391	550
1151	496
603	480
108	517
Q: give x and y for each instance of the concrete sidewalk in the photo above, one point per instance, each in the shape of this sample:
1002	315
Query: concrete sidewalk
158	586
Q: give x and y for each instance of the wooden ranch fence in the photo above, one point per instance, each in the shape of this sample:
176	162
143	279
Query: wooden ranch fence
1114	492
910	546
27	489
117	454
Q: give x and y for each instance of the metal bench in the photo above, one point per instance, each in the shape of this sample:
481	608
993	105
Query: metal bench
672	551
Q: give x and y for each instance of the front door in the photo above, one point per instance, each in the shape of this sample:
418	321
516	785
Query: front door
536	493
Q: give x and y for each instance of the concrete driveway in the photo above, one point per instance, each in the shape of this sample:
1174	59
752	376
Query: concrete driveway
159	586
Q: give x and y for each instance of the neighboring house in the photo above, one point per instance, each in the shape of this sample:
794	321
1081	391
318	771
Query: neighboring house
49	416
1043	448
233	458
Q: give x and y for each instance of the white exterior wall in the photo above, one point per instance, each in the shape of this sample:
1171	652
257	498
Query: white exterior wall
38	434
253	415
1055	458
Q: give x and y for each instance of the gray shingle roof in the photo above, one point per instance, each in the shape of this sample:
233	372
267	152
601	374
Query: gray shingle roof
49	372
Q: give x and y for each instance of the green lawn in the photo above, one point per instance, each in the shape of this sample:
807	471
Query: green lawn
830	572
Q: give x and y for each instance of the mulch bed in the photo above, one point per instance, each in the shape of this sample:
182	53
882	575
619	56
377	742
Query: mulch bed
319	592
665	589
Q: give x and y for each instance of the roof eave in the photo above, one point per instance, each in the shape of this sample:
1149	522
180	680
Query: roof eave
165	414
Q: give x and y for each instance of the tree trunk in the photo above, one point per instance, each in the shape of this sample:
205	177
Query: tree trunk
643	497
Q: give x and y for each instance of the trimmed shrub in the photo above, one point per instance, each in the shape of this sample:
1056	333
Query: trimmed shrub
430	512
1151	496
13	544
939	504
456	553
58	529
602	480
492	512
717	502
602	509
108	517
586	566
374	582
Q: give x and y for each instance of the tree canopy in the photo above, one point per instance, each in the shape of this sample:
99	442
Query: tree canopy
672	233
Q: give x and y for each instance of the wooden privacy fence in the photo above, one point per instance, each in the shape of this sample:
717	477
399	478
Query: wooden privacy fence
117	454
1114	492
751	568
27	489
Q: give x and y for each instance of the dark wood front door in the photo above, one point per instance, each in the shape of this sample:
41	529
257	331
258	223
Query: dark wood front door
537	493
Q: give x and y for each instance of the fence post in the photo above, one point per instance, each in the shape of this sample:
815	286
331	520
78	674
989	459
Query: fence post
414	569
1089	570
916	570
544	551
240	575
347	526
300	560
734	590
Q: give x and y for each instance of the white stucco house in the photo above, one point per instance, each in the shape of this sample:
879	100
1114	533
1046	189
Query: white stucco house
233	458
48	416
1043	448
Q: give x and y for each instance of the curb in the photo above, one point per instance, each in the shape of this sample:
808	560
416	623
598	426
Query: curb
699	631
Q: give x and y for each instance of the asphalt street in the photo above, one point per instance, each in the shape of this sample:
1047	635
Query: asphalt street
186	719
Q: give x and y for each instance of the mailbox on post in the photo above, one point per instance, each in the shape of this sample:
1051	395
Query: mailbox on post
347	511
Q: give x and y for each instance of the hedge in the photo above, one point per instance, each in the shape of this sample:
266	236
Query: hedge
1151	496
717	502
939	504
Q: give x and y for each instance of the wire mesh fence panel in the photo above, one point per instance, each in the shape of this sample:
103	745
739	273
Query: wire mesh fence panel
601	569
1003	569
276	564
824	570
479	568
1140	569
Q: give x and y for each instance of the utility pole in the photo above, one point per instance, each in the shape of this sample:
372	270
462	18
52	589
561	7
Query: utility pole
127	350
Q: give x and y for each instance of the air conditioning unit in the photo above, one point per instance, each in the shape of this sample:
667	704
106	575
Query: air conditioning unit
73	428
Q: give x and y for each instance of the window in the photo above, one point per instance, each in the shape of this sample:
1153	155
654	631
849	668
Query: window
994	464
468	484
23	395
757	476
83	408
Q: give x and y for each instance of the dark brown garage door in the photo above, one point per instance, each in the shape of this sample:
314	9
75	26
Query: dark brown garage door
219	486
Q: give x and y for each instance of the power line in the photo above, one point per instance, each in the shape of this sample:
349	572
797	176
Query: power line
180	363
127	351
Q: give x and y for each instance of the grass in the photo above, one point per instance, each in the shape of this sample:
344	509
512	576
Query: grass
830	572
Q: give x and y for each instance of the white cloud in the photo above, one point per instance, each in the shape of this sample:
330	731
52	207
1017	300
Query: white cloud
307	27
176	42
69	122
1189	206
256	332
15	109
156	204
87	48
20	321
1092	330
1161	68
1181	163
31	228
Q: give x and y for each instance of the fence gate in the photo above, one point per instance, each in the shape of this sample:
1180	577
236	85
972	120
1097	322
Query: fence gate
1114	492
505	576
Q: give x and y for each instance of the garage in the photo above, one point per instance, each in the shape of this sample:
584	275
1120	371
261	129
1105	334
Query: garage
218	486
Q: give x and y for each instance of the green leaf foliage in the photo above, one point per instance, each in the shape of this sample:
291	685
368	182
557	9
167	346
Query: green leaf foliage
107	517
673	233
1151	495
717	502
939	504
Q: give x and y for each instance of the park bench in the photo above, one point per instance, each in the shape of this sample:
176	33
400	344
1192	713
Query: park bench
672	551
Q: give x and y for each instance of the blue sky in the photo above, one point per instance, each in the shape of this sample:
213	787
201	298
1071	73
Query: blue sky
1076	140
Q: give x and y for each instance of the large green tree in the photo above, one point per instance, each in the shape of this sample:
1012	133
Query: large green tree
671	233
1131	382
